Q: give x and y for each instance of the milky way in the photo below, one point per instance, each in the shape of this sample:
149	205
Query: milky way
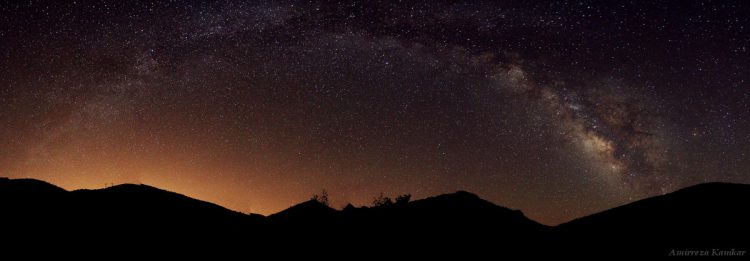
616	132
557	109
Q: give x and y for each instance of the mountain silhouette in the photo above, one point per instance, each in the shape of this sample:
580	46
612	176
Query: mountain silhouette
36	212
702	217
460	222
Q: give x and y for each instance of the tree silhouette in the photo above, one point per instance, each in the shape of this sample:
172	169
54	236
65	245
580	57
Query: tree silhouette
321	198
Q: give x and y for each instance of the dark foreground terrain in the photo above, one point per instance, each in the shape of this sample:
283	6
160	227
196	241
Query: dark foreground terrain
706	217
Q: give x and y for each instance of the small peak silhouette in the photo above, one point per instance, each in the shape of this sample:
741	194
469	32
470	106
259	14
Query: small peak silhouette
311	210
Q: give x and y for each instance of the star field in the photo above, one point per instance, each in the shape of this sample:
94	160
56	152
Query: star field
558	109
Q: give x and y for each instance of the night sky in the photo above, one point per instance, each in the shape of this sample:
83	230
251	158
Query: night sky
557	109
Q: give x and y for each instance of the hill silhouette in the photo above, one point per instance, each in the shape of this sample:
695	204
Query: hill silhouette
702	217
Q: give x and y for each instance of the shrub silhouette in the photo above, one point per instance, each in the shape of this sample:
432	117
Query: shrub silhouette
403	199
382	201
